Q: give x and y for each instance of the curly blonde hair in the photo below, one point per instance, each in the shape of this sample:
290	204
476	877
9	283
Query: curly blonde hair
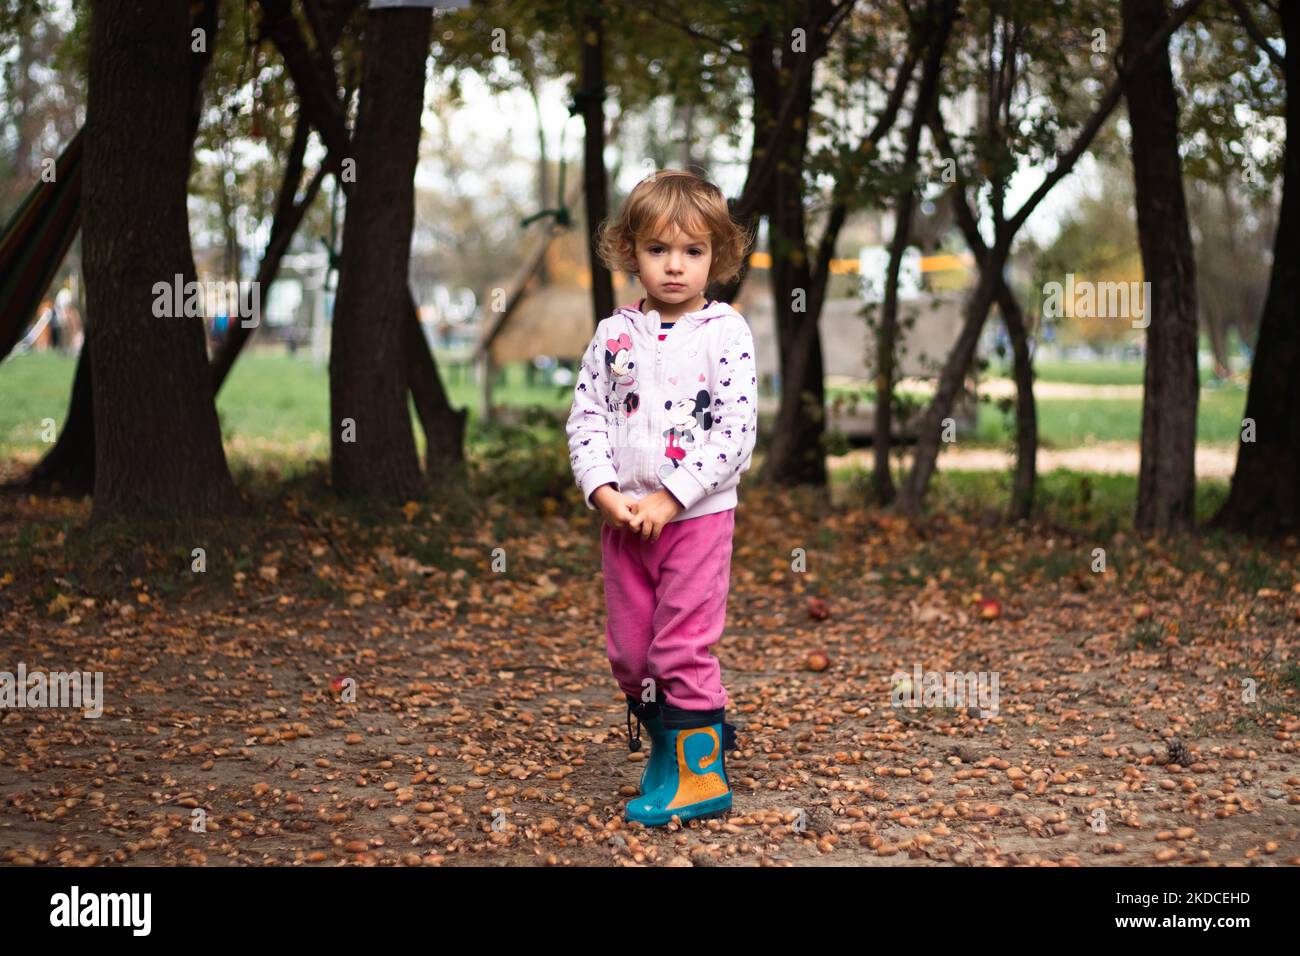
674	197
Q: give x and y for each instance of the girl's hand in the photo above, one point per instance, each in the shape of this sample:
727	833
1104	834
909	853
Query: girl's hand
653	512
617	508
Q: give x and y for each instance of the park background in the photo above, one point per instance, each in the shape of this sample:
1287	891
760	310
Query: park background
915	175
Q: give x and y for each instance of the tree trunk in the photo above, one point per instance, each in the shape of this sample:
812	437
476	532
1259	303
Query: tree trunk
1264	497
1167	474
776	112
443	426
228	200
1216	327
319	102
70	465
543	172
1026	471
688	135
591	99
157	440
882	481
931	424
994	262
795	454
24	124
372	447
1022	484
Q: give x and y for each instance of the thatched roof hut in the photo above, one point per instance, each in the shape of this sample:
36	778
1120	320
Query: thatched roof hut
557	321
554	320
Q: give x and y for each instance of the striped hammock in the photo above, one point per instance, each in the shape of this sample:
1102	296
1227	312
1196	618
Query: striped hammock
34	242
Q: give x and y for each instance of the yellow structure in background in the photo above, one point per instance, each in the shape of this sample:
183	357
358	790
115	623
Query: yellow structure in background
564	268
944	263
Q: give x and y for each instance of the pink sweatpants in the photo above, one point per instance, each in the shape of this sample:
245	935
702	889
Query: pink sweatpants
666	604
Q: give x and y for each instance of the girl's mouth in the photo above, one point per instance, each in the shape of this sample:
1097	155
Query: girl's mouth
673	285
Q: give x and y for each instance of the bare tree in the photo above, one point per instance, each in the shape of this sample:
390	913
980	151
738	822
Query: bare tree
1167	473
157	440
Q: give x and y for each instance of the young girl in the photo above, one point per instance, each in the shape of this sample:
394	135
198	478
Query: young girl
664	419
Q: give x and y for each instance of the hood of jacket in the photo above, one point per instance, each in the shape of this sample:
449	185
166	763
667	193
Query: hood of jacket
649	321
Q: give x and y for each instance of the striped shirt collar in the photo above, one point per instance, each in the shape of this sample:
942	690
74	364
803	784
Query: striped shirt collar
668	323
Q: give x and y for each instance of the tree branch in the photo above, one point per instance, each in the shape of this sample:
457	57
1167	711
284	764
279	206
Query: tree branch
1256	33
1108	102
894	102
760	178
679	23
316	89
966	219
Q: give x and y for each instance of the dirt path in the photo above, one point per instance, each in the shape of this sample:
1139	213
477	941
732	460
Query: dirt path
1212	461
486	729
1006	387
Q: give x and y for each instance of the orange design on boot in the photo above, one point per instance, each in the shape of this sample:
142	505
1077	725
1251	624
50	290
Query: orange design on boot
692	787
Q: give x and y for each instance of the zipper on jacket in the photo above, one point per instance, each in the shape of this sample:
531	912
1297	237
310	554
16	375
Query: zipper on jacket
659	351
652	453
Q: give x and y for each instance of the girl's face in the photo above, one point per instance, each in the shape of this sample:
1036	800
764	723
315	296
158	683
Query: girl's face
674	268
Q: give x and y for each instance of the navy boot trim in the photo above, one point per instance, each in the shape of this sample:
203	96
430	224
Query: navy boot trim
678	718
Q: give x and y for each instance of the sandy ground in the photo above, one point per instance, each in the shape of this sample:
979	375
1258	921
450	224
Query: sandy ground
1212	461
457	724
1003	387
486	729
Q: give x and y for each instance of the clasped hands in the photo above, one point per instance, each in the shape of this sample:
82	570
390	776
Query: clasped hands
646	517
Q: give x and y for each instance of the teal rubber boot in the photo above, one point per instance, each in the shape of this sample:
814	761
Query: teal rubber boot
656	766
696	784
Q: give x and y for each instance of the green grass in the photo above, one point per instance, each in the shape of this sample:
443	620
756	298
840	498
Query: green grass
270	399
1086	511
1102	503
274	397
33	387
276	406
1091	373
1084	373
1070	423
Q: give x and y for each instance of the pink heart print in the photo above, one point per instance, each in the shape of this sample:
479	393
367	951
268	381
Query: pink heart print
624	341
673	379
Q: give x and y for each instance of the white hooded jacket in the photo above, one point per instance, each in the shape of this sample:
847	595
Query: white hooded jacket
680	414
